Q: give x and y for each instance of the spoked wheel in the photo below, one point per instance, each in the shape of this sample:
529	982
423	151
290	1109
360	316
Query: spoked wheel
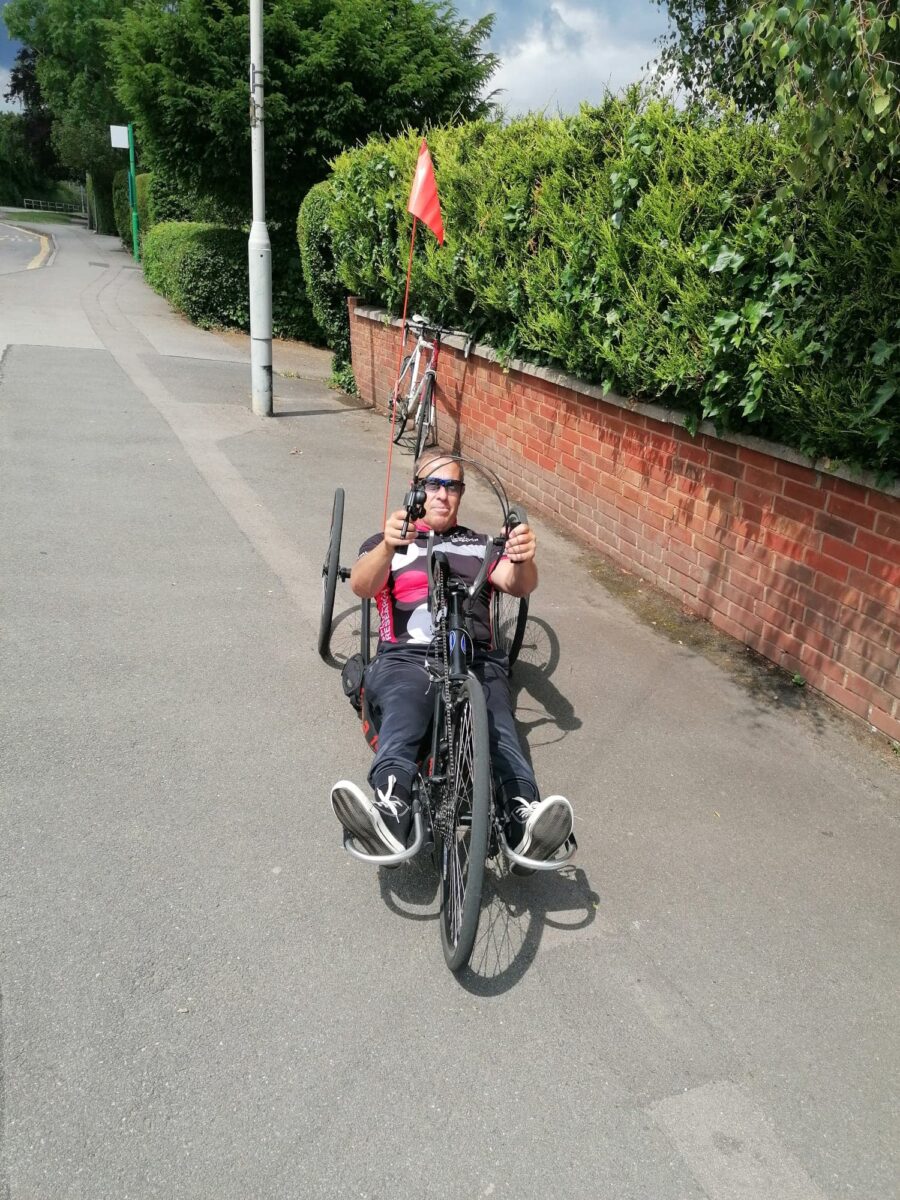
402	400
466	828
509	616
330	571
426	421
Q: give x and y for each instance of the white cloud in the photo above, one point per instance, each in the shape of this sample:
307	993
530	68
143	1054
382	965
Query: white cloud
572	53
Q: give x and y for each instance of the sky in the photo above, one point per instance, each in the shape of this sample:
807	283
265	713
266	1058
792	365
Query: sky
7	54
553	55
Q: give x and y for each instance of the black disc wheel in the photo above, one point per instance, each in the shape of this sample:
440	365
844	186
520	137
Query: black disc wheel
330	570
509	616
464	824
400	400
426	419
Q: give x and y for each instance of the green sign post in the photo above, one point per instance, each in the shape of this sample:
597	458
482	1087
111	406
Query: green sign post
132	194
122	137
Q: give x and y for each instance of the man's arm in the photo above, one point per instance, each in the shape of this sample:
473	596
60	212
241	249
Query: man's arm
370	573
517	573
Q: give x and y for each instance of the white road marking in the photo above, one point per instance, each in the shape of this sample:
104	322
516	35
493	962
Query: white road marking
730	1148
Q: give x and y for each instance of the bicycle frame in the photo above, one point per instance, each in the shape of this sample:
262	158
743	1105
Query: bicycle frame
423	345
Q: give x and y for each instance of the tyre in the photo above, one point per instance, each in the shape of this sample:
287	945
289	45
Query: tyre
509	616
464	824
402	399
330	569
426	419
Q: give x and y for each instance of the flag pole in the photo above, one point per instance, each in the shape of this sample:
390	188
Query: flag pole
387	486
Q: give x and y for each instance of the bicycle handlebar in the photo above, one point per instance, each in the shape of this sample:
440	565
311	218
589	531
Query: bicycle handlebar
420	323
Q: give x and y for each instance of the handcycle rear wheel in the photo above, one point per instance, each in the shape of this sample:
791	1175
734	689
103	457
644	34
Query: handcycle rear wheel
464	838
330	570
400	399
509	616
426	420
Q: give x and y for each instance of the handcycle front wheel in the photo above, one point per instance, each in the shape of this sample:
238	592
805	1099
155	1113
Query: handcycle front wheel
426	419
330	571
465	830
399	400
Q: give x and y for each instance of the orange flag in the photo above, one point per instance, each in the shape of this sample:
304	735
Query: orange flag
423	199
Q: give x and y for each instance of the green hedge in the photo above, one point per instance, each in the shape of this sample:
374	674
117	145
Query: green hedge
292	313
327	294
656	251
142	184
168	201
201	270
122	207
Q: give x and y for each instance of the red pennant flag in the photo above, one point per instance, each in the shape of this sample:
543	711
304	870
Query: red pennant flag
423	199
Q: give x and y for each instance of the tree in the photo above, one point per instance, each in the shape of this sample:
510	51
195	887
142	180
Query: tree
36	119
837	59
702	58
336	71
19	175
833	61
73	76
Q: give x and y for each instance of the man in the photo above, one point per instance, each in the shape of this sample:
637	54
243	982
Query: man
391	570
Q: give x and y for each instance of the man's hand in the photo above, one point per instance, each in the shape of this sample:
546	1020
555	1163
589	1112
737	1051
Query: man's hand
516	573
393	531
521	544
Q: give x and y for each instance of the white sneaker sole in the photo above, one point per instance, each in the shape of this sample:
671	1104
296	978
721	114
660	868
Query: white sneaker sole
548	830
358	814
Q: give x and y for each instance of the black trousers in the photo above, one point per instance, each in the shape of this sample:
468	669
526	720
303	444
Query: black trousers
400	699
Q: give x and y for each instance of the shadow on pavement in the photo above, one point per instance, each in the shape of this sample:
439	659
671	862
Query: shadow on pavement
514	914
532	672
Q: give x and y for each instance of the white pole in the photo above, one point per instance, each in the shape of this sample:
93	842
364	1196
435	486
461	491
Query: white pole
259	246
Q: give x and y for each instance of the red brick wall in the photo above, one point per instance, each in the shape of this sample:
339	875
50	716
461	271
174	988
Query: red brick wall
801	565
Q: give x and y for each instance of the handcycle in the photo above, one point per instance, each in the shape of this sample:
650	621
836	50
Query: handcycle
412	397
455	818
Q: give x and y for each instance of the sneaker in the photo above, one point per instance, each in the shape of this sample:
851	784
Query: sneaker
537	828
380	826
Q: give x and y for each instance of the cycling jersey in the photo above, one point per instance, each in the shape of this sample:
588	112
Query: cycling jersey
403	616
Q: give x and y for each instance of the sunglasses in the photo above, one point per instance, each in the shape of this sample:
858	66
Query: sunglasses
433	485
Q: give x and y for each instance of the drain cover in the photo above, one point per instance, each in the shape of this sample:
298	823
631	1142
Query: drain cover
96	264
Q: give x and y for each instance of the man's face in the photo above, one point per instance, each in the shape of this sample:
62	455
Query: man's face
441	506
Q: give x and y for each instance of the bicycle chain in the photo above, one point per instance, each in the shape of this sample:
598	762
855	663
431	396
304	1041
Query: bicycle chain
442	812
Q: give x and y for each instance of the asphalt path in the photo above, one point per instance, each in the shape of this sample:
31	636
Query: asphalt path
203	996
19	248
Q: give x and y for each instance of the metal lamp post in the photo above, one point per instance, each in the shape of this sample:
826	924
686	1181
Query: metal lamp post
259	246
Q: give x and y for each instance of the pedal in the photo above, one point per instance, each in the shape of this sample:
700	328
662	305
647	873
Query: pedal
389	860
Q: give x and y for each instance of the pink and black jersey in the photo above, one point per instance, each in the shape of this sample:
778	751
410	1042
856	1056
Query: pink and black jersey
402	603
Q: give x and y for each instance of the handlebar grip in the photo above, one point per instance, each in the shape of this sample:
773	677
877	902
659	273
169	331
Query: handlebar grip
516	516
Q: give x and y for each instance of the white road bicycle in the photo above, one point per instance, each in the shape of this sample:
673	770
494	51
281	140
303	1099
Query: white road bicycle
413	393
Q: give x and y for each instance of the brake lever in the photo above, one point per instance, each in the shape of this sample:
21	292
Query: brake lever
414	503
